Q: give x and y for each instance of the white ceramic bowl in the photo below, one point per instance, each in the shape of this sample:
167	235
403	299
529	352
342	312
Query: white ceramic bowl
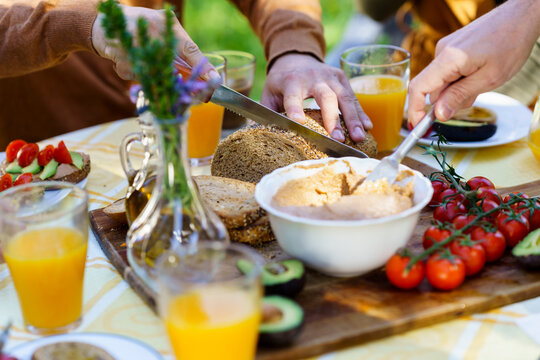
340	247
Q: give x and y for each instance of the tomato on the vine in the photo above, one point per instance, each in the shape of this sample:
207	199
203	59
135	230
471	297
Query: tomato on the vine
13	149
450	195
534	219
488	194
472	254
513	226
27	154
445	272
488	205
461	221
493	242
447	212
433	234
480	181
5	182
438	187
25	178
398	275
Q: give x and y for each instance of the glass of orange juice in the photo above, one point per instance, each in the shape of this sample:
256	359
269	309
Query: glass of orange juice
379	76
43	235
211	310
204	122
534	132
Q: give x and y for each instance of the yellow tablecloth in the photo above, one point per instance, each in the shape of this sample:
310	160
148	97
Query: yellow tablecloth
111	306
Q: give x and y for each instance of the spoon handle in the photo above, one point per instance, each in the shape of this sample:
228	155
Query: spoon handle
415	135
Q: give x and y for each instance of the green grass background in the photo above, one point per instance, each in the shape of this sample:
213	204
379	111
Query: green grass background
218	25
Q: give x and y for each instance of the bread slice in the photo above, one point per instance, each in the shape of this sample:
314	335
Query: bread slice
314	122
249	154
255	234
71	351
232	200
117	211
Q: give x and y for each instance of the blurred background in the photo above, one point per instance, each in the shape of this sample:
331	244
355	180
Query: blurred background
226	28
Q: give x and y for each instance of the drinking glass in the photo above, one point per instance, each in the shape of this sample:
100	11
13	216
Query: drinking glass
44	235
211	310
534	132
379	76
204	122
240	75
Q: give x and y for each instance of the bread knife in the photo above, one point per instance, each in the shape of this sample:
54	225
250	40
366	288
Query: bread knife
246	107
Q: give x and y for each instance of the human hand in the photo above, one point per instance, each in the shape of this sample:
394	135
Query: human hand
295	77
477	58
110	49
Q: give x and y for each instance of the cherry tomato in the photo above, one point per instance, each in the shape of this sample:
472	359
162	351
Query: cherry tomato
488	194
473	255
447	212
46	155
488	205
438	187
5	182
433	234
513	227
534	220
480	181
493	242
461	220
399	277
25	178
520	205
450	195
13	149
443	273
27	154
61	154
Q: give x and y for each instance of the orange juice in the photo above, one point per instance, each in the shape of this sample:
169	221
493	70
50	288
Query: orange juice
534	143
383	98
214	323
204	129
47	267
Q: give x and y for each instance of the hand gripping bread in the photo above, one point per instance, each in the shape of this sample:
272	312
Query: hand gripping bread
251	153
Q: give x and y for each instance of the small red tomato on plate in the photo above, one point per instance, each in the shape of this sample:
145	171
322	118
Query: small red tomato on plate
45	155
447	212
438	187
25	178
445	272
433	234
514	227
27	154
473	255
480	181
61	154
493	242
13	149
5	182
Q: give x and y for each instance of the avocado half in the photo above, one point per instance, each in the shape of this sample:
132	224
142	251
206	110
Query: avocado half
527	251
461	130
286	277
282	321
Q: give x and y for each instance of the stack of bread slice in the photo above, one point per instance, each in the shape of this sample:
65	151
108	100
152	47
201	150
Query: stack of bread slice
234	202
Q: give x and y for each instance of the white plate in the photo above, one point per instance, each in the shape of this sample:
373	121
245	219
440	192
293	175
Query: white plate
120	347
513	121
81	184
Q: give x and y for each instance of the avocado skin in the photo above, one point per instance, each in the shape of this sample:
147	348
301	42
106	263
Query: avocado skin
49	169
33	168
531	262
288	283
459	133
14	168
286	334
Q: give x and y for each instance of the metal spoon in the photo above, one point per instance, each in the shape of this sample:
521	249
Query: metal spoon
388	167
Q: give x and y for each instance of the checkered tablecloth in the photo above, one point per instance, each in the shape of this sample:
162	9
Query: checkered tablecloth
111	306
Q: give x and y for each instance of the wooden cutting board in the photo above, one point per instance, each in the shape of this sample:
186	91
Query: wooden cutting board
344	312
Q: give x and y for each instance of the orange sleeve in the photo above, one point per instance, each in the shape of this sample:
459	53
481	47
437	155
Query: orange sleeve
38	34
286	26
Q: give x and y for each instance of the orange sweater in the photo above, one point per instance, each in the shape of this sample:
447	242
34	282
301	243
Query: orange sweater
52	82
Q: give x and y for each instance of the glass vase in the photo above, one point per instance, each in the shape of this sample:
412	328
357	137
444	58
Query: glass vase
174	216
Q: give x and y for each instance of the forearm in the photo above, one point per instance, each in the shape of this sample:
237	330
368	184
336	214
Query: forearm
35	34
286	26
379	10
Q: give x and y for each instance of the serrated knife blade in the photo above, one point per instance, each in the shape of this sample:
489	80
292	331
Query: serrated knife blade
251	109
